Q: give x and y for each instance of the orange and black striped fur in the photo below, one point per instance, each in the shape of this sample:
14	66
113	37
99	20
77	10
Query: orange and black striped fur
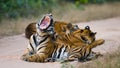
41	40
70	43
41	44
37	51
76	44
60	28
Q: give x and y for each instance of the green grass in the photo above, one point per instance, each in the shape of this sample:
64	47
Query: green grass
111	60
67	65
107	61
68	13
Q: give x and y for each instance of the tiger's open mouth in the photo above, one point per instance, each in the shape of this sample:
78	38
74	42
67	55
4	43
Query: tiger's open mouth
46	22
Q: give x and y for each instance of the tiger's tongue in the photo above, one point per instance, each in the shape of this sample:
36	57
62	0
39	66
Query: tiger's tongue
45	23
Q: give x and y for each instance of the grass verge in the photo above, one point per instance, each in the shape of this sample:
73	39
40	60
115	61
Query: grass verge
68	13
107	61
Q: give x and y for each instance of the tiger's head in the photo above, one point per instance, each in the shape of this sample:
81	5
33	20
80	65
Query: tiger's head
85	35
45	25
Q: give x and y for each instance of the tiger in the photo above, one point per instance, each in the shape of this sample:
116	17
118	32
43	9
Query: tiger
76	45
52	48
46	50
40	40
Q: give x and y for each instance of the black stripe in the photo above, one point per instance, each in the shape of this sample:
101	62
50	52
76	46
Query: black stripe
65	40
84	53
75	49
43	40
88	53
41	47
41	36
32	47
60	51
34	38
68	38
54	54
65	49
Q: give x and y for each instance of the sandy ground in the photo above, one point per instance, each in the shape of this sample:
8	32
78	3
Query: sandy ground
12	48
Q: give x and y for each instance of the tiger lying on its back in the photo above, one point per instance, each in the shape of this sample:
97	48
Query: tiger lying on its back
71	43
76	44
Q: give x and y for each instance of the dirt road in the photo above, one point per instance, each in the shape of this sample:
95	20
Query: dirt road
11	48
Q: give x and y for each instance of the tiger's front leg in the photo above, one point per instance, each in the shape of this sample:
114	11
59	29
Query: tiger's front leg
97	43
94	55
35	58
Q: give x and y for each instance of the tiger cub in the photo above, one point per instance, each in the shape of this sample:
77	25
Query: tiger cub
41	38
40	35
76	44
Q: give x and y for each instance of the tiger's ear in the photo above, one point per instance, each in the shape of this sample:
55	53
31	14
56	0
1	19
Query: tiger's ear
93	33
87	27
69	25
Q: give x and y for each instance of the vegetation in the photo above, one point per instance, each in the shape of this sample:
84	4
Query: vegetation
110	60
26	8
15	15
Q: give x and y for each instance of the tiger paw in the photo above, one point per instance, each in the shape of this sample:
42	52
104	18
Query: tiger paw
94	55
98	54
25	58
50	60
100	41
